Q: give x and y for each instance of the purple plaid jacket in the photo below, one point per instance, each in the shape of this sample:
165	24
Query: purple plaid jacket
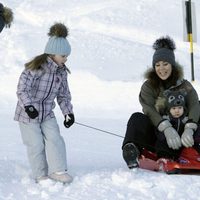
40	88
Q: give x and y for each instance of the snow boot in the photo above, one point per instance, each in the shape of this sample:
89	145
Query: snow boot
41	179
62	177
130	155
44	181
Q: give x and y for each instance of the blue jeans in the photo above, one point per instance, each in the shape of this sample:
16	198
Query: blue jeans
45	147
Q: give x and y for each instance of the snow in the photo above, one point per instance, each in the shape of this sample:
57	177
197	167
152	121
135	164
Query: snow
111	48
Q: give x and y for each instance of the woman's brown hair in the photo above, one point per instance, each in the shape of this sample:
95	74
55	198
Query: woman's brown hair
155	81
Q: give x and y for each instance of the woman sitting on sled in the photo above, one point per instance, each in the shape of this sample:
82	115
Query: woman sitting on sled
142	129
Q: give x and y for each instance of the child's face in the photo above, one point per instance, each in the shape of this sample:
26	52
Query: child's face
177	111
59	60
163	70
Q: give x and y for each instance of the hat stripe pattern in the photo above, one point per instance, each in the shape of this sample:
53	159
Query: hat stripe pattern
58	46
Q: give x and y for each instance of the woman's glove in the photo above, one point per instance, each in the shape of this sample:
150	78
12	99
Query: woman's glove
187	136
31	111
172	137
69	120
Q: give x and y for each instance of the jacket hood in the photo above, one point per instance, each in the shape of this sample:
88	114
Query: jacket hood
155	81
174	80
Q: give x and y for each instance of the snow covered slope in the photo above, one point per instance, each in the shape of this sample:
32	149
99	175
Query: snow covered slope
111	48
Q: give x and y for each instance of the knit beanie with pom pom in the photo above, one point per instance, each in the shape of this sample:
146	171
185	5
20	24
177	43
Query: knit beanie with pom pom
164	51
57	43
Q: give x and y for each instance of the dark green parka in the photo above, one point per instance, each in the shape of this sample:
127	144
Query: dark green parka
151	94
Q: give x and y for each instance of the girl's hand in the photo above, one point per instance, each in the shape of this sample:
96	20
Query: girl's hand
69	120
31	111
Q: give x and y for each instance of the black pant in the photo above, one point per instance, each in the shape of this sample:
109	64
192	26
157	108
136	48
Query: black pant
140	131
143	134
162	149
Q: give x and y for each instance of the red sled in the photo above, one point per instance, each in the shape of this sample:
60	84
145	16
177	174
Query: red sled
189	161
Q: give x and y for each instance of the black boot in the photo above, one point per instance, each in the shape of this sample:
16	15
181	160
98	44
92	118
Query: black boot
130	155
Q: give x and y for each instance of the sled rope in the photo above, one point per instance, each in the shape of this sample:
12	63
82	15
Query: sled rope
114	134
98	129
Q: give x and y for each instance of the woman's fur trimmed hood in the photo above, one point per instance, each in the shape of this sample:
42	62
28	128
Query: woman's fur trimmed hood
155	81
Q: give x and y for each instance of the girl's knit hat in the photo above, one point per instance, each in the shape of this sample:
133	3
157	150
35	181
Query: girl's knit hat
57	43
164	51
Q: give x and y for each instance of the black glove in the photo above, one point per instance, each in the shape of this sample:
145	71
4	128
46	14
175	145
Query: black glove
31	111
69	120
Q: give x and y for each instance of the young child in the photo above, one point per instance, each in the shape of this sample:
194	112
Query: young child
44	79
6	17
177	116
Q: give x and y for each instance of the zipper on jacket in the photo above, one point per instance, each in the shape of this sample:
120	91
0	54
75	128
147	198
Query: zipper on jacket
178	127
46	98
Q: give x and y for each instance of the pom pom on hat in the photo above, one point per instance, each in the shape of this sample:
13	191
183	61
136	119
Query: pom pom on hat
164	51
164	42
8	16
58	30
58	43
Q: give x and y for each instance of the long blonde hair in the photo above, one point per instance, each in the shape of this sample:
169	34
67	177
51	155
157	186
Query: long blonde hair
36	63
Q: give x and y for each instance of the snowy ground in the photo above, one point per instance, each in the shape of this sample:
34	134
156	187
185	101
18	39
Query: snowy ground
111	48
